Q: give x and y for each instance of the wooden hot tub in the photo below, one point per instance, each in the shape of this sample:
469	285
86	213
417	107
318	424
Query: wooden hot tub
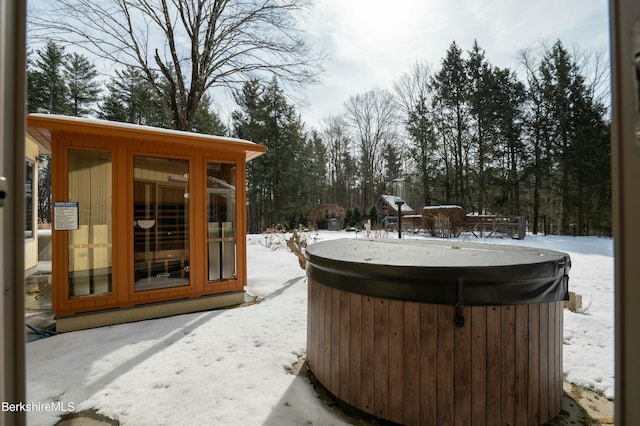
437	333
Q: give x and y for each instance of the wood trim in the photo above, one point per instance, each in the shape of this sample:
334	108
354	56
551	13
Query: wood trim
38	124
156	310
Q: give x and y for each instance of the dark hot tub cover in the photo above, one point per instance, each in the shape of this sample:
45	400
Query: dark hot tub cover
441	272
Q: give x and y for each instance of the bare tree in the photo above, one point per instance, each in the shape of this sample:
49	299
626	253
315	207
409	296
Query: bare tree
415	97
194	45
538	128
594	65
373	117
414	87
336	136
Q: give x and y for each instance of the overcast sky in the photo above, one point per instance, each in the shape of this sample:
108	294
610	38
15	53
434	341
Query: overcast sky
370	43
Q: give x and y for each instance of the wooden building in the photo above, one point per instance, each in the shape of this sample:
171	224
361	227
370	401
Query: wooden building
147	222
387	210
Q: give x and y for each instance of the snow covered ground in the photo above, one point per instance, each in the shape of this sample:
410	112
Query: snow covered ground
234	366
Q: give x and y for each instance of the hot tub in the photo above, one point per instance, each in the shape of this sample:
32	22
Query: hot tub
434	333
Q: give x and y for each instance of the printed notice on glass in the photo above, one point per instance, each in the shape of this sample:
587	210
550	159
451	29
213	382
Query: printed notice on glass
65	215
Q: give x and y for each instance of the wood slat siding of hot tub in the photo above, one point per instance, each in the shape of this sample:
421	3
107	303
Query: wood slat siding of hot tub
408	363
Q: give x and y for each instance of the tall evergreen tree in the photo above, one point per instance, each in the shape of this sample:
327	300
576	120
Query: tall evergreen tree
509	101
414	92
558	75
275	188
131	99
47	91
317	160
569	143
207	121
482	114
537	131
452	114
423	149
113	106
392	162
80	76
590	165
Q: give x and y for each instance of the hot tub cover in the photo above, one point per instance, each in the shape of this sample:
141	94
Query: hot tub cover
441	272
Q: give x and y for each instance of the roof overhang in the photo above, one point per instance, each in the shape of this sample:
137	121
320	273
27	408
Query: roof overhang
41	126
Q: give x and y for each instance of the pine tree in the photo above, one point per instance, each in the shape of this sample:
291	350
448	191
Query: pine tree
557	73
414	92
317	169
275	184
569	143
207	121
80	76
423	149
131	99
509	98
47	91
113	107
391	154
536	128
482	112
452	114
590	166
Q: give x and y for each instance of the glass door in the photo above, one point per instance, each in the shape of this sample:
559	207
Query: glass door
221	220
161	222
89	183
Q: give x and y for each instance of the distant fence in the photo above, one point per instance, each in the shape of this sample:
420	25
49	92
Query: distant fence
451	221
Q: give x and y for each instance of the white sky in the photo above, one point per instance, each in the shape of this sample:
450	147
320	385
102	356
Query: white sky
372	42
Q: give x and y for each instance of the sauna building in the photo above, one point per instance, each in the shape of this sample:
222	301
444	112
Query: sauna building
147	222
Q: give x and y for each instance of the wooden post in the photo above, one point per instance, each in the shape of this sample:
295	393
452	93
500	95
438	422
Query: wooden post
12	167
625	154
